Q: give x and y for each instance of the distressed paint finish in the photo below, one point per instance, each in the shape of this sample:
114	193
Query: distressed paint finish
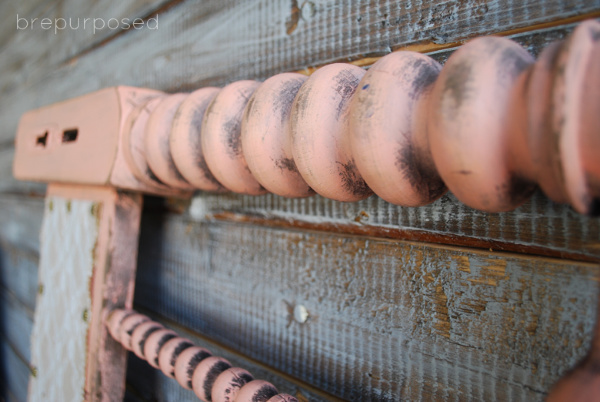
319	126
388	129
583	382
221	138
474	131
101	150
87	264
212	378
133	143
266	136
185	142
538	227
52	90
332	34
156	142
186	364
69	237
147	383
394	319
241	50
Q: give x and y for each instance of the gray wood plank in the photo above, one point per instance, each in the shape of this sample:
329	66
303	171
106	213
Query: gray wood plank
538	227
19	273
21	220
387	320
14	373
212	43
16	322
8	184
30	51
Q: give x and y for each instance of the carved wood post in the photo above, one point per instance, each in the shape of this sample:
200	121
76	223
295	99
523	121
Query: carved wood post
89	239
87	267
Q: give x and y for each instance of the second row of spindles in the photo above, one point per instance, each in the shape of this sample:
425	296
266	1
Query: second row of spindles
211	378
491	125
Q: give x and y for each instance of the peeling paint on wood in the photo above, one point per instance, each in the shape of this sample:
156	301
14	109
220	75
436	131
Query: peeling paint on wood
87	265
59	336
145	383
458	324
199	45
537	227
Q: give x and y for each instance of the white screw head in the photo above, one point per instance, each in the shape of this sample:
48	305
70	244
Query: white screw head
300	314
308	10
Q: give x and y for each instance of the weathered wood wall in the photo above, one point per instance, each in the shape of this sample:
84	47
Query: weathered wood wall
439	302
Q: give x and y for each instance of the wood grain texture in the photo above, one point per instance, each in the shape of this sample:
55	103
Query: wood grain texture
387	319
21	220
8	184
212	43
18	272
538	227
29	51
506	341
16	322
14	374
18	289
145	383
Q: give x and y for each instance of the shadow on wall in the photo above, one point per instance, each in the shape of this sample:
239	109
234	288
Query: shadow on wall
142	380
3	360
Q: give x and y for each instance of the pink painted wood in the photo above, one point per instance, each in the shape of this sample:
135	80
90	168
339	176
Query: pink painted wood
211	378
319	124
266	136
388	129
187	362
490	126
185	140
98	364
221	139
156	142
103	147
132	143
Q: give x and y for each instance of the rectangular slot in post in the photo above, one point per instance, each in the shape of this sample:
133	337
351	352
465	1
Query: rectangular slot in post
69	135
42	139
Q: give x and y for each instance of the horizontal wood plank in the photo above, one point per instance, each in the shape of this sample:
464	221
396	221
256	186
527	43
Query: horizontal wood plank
21	220
18	273
212	43
8	184
538	227
16	322
387	319
14	373
30	51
